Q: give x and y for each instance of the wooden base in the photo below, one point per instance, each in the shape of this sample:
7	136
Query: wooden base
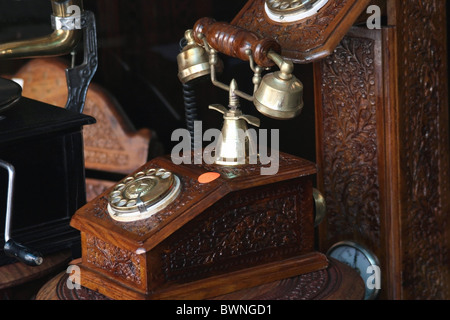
337	282
208	287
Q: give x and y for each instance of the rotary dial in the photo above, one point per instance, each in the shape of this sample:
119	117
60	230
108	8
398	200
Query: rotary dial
139	196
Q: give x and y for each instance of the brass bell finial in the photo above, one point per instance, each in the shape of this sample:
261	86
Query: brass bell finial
236	146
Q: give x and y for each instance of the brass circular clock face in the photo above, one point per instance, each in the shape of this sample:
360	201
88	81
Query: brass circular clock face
292	10
138	197
363	261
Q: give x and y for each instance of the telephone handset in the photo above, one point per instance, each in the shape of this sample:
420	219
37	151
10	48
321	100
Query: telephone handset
277	95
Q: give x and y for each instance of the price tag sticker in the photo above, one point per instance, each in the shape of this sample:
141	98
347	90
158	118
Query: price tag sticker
208	177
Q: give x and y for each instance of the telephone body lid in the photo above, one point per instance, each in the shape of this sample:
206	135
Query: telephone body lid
308	39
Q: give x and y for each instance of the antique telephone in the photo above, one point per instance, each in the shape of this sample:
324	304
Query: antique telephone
72	26
196	231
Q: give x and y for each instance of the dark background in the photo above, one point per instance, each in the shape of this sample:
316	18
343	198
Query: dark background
138	44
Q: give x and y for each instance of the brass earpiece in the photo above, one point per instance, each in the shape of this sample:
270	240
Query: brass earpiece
193	61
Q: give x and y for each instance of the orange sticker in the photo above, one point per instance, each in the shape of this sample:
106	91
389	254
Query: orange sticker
208	177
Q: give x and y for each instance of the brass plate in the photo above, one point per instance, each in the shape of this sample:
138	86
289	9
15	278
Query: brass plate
138	197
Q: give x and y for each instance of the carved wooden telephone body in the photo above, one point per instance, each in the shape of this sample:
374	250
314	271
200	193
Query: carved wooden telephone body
238	231
244	229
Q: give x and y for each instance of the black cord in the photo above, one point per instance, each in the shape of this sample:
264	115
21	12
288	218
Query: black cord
190	102
190	106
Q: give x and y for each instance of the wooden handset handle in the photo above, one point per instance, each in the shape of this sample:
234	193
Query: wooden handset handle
234	41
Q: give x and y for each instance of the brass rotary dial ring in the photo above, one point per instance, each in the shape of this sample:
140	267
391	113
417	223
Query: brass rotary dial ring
138	197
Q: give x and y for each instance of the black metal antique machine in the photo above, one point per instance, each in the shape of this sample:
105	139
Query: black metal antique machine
42	176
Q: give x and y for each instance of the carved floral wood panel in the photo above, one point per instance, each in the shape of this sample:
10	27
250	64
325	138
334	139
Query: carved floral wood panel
244	230
350	163
114	260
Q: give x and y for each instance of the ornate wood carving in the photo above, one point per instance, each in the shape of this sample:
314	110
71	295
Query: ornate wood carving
308	39
114	260
349	149
317	285
243	230
62	292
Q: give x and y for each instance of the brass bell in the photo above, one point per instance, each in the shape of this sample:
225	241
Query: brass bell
193	61
236	146
280	94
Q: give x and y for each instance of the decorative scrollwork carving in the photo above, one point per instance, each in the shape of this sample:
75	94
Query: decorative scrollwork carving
350	139
240	231
114	260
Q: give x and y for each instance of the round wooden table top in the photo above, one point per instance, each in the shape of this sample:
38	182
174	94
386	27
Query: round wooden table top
337	282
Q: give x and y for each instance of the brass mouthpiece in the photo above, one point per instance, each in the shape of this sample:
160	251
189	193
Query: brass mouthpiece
280	94
60	42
